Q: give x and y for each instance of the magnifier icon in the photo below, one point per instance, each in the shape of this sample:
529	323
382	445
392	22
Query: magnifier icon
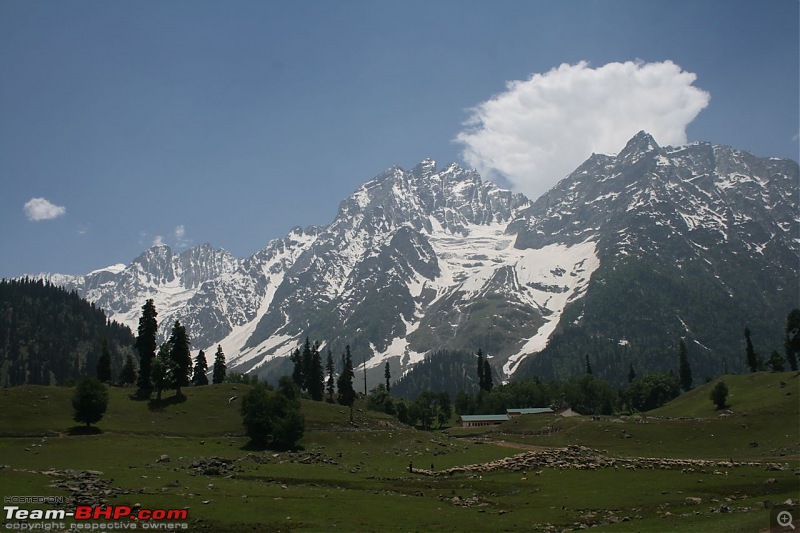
785	519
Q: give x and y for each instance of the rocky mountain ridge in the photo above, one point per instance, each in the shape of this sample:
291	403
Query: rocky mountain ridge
438	258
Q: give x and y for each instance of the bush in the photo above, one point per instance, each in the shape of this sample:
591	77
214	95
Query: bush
652	391
402	412
89	401
588	395
290	390
271	419
719	395
380	400
430	407
776	361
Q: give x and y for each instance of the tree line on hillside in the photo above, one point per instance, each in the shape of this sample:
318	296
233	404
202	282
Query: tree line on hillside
323	383
776	361
584	393
50	336
271	417
27	308
638	305
442	371
172	366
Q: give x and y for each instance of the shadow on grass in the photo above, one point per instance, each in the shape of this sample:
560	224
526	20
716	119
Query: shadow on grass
157	405
253	447
84	430
139	396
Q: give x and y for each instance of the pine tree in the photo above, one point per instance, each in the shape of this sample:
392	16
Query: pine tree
316	377
347	394
487	376
200	369
388	375
161	371
104	364
219	366
364	361
752	357
329	367
128	374
306	365
481	367
297	370
146	346
180	357
684	370
588	365
631	374
792	342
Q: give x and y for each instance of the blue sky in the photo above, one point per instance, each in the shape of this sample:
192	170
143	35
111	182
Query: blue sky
128	123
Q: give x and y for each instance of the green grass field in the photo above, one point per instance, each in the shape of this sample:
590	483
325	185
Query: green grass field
355	477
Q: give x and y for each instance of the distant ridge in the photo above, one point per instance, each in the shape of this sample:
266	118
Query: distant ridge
49	336
620	260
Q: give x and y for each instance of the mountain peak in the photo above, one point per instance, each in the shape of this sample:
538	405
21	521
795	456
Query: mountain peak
428	258
426	167
641	143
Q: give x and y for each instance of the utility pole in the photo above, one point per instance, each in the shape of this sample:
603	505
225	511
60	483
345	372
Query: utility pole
364	358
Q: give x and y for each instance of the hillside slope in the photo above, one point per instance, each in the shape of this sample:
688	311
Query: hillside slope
49	336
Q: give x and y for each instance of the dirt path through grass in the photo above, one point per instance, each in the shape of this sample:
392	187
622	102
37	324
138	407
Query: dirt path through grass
519	446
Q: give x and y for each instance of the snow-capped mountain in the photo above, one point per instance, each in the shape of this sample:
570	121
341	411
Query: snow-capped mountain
429	258
215	295
417	260
695	242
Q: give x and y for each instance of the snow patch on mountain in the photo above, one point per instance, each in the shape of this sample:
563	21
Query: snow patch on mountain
554	276
425	259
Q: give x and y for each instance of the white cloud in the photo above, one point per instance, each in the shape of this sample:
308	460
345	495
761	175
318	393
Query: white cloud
180	237
177	238
538	131
37	209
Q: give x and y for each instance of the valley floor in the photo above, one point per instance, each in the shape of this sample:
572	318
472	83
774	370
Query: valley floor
655	472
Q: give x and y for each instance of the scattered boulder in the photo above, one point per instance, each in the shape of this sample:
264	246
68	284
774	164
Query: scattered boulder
86	487
213	466
575	457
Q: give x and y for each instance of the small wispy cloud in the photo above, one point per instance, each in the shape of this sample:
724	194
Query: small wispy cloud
83	229
37	209
177	238
539	130
181	241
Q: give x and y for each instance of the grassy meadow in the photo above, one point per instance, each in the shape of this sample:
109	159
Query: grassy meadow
354	477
